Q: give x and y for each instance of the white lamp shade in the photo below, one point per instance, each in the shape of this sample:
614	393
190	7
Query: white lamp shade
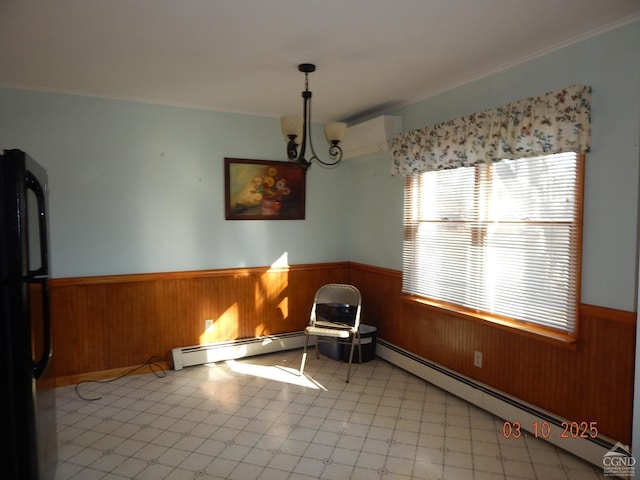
334	132
292	125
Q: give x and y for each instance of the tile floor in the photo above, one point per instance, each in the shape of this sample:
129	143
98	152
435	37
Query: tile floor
257	419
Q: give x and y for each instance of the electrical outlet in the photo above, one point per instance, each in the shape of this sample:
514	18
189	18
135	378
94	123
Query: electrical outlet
477	359
208	325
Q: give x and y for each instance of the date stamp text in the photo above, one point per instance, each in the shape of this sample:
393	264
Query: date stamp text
568	430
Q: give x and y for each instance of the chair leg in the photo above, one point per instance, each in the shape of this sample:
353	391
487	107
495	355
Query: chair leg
304	355
359	346
353	343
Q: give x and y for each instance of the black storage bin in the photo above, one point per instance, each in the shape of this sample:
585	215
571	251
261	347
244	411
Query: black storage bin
331	349
368	336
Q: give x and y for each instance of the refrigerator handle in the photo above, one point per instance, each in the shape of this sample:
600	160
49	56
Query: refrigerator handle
34	185
42	363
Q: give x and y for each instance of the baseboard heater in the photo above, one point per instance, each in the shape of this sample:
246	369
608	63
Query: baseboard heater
503	406
234	349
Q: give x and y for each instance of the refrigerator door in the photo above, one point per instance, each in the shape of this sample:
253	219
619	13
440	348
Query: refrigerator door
26	378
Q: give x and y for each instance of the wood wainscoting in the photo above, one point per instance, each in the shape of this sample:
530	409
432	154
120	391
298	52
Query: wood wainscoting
103	325
592	382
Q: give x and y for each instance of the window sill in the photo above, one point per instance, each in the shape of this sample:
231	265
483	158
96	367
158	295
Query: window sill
532	331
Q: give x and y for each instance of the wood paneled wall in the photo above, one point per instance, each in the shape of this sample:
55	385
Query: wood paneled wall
102	324
111	322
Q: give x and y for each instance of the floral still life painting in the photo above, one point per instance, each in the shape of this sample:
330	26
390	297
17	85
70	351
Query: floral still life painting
263	190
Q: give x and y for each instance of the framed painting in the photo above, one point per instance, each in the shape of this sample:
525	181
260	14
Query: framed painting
263	190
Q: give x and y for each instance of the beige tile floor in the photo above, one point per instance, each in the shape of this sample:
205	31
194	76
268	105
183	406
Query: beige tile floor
257	419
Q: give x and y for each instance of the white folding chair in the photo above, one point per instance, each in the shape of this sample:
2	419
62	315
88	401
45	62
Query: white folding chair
335	318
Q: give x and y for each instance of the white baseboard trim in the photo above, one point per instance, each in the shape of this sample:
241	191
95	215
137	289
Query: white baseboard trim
500	404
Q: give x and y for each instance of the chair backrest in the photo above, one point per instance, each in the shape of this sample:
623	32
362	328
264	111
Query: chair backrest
338	294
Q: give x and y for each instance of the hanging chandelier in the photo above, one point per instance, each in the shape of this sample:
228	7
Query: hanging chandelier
297	131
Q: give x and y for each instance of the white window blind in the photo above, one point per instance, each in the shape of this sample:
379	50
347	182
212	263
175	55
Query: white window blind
501	238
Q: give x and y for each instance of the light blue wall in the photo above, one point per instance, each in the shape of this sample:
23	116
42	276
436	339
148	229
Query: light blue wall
375	229
139	188
610	63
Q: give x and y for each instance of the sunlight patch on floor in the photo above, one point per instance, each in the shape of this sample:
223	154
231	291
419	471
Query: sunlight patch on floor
275	372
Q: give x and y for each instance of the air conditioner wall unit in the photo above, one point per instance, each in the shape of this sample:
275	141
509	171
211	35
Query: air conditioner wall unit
371	136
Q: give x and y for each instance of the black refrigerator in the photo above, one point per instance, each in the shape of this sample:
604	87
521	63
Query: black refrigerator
27	385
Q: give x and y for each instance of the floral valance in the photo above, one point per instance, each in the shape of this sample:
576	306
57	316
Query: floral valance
551	123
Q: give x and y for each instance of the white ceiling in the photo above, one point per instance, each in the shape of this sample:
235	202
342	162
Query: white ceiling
242	55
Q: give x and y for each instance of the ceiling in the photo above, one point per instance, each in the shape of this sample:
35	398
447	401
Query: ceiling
242	55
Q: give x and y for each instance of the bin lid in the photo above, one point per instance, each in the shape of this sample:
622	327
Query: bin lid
367	329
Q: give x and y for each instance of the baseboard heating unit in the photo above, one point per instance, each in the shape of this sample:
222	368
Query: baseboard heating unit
503	406
234	349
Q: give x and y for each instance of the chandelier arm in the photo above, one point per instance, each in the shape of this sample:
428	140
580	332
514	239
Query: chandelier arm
335	152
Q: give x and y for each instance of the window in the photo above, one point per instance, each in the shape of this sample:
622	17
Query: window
498	240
